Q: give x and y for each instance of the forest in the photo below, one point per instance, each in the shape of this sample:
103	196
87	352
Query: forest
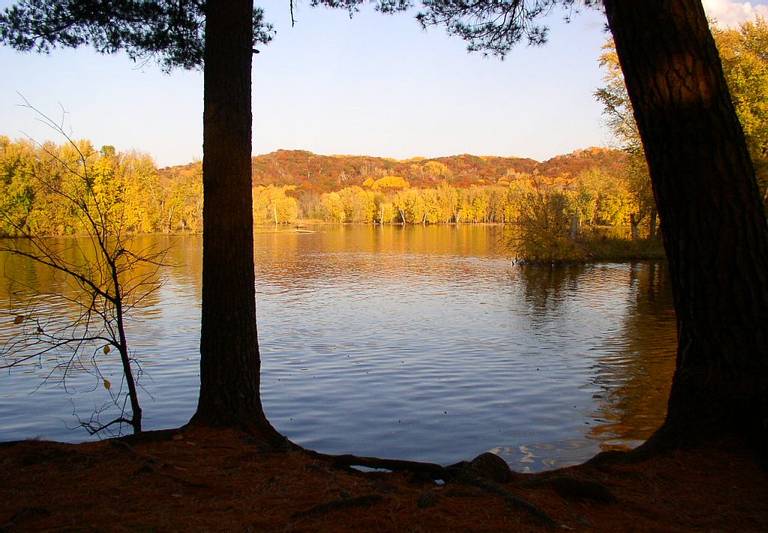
587	188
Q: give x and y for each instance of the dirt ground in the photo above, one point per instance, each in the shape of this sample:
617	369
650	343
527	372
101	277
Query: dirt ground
203	479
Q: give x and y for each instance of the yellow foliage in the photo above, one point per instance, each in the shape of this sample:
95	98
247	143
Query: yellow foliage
389	183
271	205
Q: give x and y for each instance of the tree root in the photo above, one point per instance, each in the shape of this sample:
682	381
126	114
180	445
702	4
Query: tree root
343	503
434	471
513	501
456	474
571	488
459	473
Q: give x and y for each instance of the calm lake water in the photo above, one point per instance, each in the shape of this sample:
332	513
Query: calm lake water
424	343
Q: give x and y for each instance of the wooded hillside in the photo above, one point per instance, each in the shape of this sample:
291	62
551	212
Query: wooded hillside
311	172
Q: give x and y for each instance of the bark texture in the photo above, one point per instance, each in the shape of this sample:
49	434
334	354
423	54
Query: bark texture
712	221
229	350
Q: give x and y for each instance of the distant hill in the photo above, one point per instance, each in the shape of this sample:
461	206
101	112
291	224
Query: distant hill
610	161
322	173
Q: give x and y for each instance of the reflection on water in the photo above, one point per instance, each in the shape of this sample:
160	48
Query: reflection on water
421	342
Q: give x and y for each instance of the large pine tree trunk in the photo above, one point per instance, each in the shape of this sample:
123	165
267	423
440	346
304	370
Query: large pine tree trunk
712	222
229	351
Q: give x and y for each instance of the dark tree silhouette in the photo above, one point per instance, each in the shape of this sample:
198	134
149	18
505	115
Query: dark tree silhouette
230	363
220	35
712	220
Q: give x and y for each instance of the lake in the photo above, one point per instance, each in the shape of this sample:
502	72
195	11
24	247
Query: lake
423	343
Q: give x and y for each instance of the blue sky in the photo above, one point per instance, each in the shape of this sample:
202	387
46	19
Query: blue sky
375	85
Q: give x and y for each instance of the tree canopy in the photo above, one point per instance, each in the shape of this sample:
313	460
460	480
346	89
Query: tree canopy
170	32
493	27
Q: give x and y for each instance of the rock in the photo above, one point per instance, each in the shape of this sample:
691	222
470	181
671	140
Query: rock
492	467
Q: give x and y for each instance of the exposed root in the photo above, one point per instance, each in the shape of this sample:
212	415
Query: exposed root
456	474
342	503
571	488
513	501
434	471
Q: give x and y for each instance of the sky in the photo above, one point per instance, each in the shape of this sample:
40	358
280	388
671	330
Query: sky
375	85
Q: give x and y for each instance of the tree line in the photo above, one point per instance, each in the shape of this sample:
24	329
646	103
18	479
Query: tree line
591	198
146	200
127	183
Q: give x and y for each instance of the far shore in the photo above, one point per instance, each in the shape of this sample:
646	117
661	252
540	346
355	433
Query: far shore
587	248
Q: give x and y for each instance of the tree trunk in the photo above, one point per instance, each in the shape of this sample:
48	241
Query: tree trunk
125	359
575	226
229	350
712	222
652	224
634	224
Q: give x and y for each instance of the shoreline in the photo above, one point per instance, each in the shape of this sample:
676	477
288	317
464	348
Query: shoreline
586	249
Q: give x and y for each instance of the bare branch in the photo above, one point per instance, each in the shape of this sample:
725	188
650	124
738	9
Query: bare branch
105	285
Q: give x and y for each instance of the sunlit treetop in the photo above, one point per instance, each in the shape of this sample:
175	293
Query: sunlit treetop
170	32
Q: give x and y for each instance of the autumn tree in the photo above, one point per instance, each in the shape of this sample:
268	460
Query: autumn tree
273	205
712	221
129	180
543	211
618	111
219	35
744	54
182	203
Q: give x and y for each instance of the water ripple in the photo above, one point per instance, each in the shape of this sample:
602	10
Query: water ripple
418	343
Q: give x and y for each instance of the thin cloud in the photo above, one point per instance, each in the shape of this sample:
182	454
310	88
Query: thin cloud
727	13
